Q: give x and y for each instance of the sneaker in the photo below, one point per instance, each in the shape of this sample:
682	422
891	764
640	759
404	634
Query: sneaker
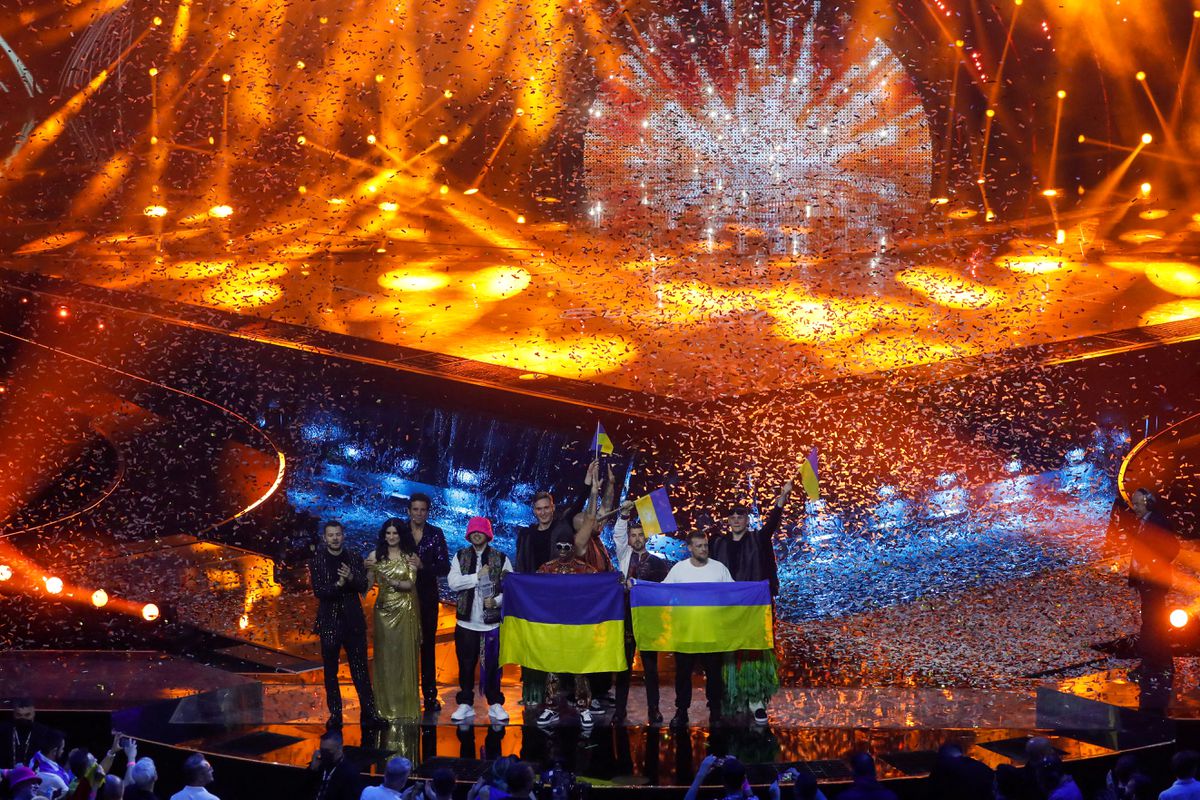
497	712
548	717
760	716
597	706
432	705
462	712
585	718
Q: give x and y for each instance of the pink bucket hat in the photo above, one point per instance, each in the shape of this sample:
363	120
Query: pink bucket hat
482	525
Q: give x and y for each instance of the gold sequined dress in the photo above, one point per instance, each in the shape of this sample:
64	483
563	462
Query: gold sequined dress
397	642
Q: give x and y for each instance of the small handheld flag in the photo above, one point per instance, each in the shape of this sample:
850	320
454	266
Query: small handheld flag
808	475
654	510
601	443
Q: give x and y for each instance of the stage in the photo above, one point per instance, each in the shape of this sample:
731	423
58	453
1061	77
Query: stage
250	282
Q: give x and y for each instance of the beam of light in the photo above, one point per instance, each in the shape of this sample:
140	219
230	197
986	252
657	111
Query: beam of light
179	31
949	289
1185	74
1162	122
1173	311
46	133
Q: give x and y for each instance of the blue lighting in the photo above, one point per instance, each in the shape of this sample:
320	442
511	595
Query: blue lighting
466	477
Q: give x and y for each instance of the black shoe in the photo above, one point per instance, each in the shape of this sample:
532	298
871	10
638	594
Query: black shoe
618	717
334	723
680	720
654	718
432	705
371	719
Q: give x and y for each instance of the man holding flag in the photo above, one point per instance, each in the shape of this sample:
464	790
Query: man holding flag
698	568
750	677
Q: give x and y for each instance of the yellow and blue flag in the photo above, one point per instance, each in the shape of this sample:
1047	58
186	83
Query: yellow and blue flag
602	444
808	475
654	510
701	617
542	629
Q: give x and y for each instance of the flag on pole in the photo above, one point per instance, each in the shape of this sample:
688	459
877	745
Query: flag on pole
808	475
601	443
654	510
701	617
584	634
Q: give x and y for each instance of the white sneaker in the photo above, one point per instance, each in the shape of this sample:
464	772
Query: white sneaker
497	712
462	712
548	717
585	718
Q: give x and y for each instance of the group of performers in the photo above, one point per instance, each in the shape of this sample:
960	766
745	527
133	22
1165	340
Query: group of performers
410	557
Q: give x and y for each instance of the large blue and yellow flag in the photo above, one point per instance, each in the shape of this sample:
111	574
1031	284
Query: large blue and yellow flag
701	617
564	623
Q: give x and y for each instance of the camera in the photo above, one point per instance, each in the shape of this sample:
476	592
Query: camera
561	784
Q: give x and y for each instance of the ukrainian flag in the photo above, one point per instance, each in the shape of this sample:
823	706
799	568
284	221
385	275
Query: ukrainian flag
602	443
564	623
700	617
654	511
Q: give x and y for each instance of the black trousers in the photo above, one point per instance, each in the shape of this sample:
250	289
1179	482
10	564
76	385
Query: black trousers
467	644
355	645
1153	646
427	600
649	670
714	691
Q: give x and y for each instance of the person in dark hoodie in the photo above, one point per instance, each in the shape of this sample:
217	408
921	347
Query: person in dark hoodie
751	677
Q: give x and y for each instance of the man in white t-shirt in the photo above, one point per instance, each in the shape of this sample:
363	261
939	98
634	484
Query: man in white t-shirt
698	568
199	774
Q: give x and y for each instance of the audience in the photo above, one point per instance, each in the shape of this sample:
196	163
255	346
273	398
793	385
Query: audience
1053	780
395	778
866	786
955	776
1010	783
113	788
199	774
440	786
21	783
55	780
1117	777
1185	787
22	736
140	779
520	779
335	777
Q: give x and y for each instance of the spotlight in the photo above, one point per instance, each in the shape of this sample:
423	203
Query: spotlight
1050	193
1061	94
226	77
220	212
1146	189
6	572
153	71
443	139
99	598
1141	76
149	612
63	312
54	585
1179	618
243	622
1147	138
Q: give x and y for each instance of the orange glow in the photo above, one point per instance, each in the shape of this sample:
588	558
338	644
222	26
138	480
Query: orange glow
949	289
99	598
1176	277
1174	311
1179	618
54	585
6	572
413	279
155	211
63	312
150	612
220	212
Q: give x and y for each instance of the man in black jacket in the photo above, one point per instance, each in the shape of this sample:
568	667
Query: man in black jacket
432	561
22	737
636	564
1151	573
750	556
339	578
336	777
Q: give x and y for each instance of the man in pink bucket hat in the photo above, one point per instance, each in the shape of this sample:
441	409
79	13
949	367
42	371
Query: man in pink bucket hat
476	573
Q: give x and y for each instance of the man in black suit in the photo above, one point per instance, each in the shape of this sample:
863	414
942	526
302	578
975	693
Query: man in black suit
335	775
636	564
1151	573
339	578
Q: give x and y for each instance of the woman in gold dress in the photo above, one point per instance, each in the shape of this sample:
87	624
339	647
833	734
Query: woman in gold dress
397	623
